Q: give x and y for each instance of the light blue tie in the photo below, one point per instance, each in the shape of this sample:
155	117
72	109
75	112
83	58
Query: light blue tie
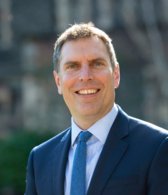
78	179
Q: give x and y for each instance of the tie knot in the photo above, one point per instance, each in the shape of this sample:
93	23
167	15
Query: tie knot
84	136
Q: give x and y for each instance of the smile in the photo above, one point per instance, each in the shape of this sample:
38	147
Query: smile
87	91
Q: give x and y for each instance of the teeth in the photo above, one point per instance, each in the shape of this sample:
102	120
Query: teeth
87	91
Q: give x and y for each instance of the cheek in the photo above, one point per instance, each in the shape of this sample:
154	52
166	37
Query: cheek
108	79
109	83
65	84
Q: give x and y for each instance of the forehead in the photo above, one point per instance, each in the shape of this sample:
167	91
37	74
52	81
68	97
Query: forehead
84	47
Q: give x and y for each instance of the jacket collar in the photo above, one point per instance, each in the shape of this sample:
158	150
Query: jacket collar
59	165
112	153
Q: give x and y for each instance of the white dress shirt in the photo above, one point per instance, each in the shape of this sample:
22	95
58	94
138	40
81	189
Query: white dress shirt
95	145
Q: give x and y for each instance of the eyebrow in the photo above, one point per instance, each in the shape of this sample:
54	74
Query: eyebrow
71	62
97	59
90	61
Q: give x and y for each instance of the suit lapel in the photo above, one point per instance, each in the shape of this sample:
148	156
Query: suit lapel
112	153
59	164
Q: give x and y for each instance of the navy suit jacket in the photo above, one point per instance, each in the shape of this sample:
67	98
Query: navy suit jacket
134	161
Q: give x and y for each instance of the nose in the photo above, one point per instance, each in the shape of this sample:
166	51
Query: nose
85	73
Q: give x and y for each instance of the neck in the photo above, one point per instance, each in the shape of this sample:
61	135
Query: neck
86	122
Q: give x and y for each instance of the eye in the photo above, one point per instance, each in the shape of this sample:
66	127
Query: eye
98	64
71	66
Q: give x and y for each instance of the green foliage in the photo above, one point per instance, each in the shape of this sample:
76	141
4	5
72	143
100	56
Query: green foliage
14	151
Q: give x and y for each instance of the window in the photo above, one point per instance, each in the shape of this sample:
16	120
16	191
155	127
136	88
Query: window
5	24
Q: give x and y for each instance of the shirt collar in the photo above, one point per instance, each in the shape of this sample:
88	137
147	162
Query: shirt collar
100	129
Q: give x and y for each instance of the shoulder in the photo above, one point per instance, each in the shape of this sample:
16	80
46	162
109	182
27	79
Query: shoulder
140	128
146	127
52	142
146	135
144	138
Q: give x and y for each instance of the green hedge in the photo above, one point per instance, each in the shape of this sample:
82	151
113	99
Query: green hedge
14	151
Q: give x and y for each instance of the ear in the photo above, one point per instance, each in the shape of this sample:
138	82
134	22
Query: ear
57	81
116	76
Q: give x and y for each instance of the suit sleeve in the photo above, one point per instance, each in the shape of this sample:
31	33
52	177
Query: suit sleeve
158	175
30	177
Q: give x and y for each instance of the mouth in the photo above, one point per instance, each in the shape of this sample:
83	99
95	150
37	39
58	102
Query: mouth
87	91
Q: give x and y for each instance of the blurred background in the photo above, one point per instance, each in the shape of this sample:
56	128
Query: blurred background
31	110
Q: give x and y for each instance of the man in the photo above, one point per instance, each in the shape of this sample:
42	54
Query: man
125	156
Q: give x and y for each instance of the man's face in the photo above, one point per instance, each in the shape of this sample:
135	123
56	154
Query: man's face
87	80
